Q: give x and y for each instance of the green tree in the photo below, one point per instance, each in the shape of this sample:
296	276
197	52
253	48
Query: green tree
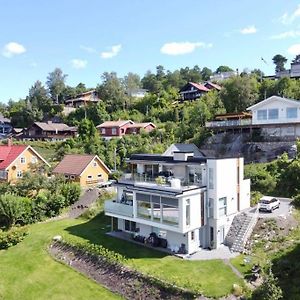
132	81
112	91
38	98
151	83
222	69
56	84
206	73
239	92
279	62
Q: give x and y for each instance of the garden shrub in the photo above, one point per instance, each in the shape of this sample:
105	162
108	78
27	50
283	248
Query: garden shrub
269	290
296	200
71	192
255	197
12	237
109	255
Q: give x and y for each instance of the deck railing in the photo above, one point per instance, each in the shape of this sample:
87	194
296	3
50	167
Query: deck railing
228	123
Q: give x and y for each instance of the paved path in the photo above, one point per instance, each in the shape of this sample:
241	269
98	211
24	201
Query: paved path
233	268
85	200
222	252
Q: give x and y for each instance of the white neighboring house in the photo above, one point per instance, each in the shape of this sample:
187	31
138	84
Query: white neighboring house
281	114
190	206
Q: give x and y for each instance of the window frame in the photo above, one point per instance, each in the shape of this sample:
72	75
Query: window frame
224	207
273	117
264	116
23	160
114	131
288	111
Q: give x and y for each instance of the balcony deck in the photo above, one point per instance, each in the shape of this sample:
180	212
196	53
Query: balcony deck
159	183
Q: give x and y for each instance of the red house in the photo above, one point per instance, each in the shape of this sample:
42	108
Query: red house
193	90
110	129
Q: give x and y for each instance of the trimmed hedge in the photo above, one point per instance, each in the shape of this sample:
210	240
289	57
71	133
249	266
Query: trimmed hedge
109	255
12	237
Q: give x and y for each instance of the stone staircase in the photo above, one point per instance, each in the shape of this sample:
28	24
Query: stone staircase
240	230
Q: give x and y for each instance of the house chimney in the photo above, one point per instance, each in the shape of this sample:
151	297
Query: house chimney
9	142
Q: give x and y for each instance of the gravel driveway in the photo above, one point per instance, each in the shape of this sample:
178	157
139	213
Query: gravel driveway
283	210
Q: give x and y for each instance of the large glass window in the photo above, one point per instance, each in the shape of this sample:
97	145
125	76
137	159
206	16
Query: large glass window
262	114
144	209
187	213
158	209
210	207
291	113
210	178
130	226
170	214
222	206
273	113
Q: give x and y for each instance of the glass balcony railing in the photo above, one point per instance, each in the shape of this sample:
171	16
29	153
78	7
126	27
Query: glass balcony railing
118	208
169	181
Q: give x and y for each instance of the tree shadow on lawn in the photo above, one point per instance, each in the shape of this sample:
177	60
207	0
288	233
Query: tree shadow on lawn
95	231
287	269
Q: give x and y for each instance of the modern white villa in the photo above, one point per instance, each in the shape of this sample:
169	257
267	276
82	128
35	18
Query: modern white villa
186	202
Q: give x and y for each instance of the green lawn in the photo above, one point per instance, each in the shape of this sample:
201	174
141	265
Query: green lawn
213	278
28	272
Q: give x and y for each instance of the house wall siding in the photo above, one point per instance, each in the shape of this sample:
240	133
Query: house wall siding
93	171
282	117
18	166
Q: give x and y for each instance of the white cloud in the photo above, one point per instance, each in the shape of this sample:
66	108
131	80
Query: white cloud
11	49
113	52
285	35
248	30
78	63
179	48
88	49
294	49
287	18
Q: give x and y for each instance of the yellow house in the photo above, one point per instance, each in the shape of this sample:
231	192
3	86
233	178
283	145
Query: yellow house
15	160
87	170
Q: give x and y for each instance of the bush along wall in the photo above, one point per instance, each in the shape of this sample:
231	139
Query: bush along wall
12	237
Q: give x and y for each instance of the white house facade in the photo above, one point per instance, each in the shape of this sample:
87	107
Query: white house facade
277	116
274	110
187	201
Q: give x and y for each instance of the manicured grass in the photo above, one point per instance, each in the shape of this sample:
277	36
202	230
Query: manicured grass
212	278
28	272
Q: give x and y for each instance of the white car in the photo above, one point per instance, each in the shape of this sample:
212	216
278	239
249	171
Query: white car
267	203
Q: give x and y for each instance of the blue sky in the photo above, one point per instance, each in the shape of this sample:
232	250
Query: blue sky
87	38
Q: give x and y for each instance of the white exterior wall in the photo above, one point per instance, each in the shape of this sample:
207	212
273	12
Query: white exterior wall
225	184
282	106
245	194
